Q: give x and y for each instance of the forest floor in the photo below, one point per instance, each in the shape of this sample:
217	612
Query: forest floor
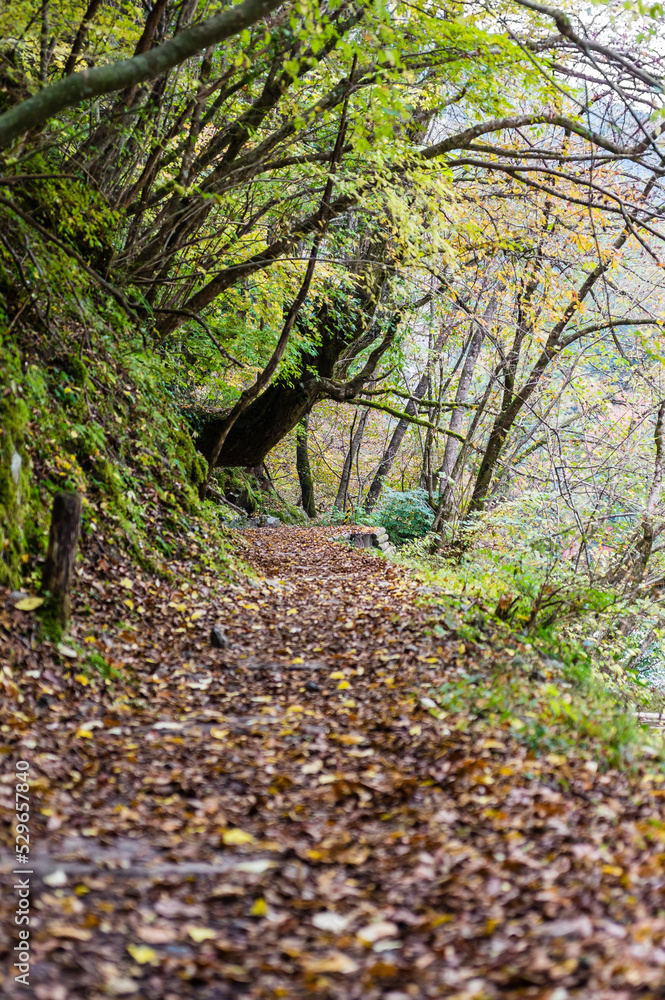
284	817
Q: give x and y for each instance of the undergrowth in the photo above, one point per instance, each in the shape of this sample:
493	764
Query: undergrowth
73	417
557	683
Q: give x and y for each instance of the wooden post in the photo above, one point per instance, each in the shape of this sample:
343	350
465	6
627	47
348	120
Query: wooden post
61	556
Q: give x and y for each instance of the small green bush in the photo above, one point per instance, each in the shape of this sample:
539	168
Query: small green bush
406	515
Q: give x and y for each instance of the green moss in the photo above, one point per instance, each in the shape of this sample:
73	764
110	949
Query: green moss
109	432
76	369
109	479
14	480
290	515
199	472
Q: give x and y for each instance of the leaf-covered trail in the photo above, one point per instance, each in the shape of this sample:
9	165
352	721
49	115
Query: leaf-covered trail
283	817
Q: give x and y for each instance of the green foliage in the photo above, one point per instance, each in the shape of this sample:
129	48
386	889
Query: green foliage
584	657
405	515
14	477
549	705
82	420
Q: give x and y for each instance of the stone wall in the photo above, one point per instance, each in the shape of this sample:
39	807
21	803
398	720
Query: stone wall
367	538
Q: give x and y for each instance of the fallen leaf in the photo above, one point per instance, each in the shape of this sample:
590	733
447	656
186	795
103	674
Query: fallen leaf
65	931
333	922
56	879
374	932
335	961
142	954
234	837
156	934
199	934
29	603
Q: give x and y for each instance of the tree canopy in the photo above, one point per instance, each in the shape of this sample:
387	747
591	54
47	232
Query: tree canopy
441	214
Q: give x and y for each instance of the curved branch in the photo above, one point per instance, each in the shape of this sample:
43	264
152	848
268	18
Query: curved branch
129	72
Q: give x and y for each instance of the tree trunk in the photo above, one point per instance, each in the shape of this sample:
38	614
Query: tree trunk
304	469
58	569
356	438
456	420
390	454
44	54
81	34
633	563
262	426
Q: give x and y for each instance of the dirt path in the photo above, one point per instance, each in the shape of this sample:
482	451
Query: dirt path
284	818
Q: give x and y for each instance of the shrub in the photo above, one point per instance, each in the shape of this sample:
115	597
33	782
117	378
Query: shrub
406	515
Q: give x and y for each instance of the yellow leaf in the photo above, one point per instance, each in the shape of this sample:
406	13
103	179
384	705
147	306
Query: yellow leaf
200	934
83	733
612	870
142	954
415	730
126	583
178	607
233	837
337	675
259	909
29	603
297	659
129	603
82	679
197	614
343	685
292	611
219	734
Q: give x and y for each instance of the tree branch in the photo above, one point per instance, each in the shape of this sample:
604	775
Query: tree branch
129	72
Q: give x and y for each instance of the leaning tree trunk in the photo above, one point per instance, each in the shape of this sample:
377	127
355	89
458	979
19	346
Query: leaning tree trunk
263	424
456	422
356	438
390	454
304	469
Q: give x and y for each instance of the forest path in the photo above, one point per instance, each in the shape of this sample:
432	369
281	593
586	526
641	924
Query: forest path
284	818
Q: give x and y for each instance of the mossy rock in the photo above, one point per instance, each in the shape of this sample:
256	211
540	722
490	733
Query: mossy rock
291	515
